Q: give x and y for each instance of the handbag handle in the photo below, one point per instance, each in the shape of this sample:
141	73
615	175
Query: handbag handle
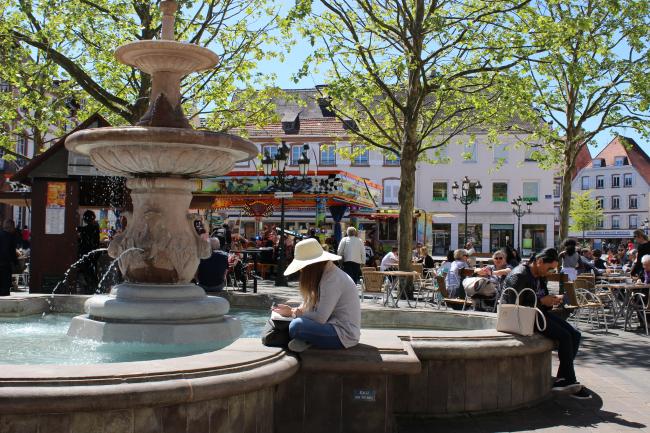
517	294
539	312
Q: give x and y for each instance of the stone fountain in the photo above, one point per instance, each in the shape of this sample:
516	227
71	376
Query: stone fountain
160	250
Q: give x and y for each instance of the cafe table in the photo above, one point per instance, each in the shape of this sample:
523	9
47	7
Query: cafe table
394	278
628	290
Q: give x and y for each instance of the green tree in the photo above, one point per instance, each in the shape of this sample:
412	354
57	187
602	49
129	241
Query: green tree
412	76
592	76
70	45
585	213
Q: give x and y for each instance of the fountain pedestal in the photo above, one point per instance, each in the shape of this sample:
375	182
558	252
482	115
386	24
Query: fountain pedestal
156	313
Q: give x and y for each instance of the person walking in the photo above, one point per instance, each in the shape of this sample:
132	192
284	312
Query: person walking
353	251
8	256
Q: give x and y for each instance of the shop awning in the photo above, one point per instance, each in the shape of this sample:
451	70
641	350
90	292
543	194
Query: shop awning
19	199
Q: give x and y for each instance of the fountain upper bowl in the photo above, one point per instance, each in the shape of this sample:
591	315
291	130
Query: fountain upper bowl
144	150
153	56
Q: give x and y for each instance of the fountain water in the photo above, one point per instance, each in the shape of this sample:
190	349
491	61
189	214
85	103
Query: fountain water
159	156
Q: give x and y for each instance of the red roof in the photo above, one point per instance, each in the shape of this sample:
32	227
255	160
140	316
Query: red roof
625	146
322	127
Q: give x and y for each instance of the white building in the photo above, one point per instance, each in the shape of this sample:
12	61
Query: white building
491	223
619	177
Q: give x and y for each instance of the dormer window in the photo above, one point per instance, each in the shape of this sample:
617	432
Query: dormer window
620	161
291	122
597	163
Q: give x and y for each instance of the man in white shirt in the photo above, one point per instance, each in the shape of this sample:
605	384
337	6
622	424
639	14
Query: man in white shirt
390	260
352	250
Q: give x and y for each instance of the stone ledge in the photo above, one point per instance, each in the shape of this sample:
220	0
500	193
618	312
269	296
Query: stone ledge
496	345
238	369
376	353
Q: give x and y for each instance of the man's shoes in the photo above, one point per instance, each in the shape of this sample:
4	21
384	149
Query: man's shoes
582	394
298	346
565	386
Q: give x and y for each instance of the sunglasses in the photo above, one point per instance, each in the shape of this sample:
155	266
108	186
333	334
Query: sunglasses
498	258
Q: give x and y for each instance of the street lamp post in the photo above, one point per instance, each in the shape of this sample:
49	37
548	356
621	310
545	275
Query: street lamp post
466	197
517	210
279	162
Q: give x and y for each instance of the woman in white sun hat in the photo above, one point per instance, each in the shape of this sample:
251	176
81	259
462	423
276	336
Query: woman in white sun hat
330	314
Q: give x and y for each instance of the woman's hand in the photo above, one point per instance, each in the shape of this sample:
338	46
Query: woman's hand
283	310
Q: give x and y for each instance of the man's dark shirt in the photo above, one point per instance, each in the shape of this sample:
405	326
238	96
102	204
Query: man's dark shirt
643	249
7	249
88	238
213	269
521	278
599	263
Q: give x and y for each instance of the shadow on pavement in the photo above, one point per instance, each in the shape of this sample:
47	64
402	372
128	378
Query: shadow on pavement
552	414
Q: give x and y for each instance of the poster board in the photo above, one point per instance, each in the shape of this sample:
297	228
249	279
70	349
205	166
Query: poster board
55	208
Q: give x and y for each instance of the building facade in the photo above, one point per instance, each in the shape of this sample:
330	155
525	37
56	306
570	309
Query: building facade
619	178
504	171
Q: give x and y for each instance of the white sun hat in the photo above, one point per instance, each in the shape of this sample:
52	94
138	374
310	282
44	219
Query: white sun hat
306	253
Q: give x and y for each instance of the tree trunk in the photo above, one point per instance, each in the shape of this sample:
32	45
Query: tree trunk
407	203
565	203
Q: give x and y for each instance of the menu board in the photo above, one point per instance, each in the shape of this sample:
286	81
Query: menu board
55	208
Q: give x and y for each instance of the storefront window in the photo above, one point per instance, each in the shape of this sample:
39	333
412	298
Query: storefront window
474	234
501	235
533	238
441	235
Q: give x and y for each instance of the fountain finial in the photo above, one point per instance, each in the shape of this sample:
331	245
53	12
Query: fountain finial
168	8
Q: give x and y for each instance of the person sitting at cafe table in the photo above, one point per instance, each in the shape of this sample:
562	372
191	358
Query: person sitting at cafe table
425	259
390	260
533	276
642	248
454	279
644	278
599	263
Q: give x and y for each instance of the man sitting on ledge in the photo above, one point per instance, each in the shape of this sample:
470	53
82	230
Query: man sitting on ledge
533	276
330	314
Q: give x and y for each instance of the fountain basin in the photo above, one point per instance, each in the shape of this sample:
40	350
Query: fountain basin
245	385
140	150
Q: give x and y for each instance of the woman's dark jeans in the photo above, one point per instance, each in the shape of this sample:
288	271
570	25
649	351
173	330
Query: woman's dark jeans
568	339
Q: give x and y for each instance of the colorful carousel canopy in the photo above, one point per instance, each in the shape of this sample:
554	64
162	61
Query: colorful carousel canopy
240	188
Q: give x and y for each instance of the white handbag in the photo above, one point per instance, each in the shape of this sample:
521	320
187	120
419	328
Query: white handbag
516	318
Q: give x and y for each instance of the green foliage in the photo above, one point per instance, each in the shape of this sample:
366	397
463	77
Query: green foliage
422	72
590	75
73	42
585	212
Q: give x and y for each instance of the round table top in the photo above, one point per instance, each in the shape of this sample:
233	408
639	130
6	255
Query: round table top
399	273
628	286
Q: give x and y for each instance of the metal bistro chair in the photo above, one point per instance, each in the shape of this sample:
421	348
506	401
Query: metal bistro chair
444	296
638	304
423	289
373	283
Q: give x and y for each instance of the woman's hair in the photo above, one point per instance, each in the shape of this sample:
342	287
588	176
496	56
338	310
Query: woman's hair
640	233
597	253
450	256
459	253
645	259
547	255
309	283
